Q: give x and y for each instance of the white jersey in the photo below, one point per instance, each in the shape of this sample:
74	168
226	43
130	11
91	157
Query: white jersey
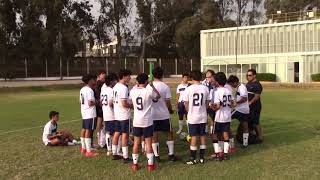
180	90
228	87
242	92
120	93
48	130
197	96
86	95
223	97
160	110
142	99
106	99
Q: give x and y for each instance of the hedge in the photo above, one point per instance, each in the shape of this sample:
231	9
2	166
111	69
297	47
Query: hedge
266	77
315	77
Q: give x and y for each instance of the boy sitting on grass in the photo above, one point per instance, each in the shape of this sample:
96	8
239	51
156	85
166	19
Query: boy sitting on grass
52	137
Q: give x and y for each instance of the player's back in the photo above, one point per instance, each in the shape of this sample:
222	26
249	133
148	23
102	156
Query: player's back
160	110
120	92
86	95
224	97
197	96
106	98
242	92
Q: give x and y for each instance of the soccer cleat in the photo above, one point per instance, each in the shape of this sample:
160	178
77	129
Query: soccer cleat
226	157
91	154
127	160
215	157
192	161
151	167
157	158
116	157
201	160
173	158
232	150
109	153
134	167
83	150
243	146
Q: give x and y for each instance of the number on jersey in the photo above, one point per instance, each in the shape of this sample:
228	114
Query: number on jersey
226	101
82	99
104	99
139	103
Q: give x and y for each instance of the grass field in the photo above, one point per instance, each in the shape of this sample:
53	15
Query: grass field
291	148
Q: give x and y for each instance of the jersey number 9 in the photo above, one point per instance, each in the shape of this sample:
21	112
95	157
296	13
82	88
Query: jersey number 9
139	103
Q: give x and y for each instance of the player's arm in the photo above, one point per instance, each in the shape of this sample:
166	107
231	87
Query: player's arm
155	90
126	104
91	99
216	102
254	99
242	100
169	106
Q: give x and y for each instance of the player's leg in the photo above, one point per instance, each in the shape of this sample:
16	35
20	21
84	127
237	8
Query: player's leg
125	129
167	127
143	145
109	128
181	112
226	144
90	126
193	144
115	140
155	141
82	139
102	137
147	134
137	133
202	134
256	122
245	128
54	142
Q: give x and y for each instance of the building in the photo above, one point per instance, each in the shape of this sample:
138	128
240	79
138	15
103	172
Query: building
291	50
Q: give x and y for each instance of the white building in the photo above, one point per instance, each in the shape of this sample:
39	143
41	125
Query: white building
289	50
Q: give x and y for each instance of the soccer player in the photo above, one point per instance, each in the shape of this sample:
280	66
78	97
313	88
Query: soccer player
89	115
142	99
242	110
222	104
122	115
97	91
161	111
107	108
179	98
210	83
196	99
51	136
254	92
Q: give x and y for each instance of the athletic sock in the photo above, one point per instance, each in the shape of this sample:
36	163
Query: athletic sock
109	141
88	144
114	149
202	151
226	147
180	125
221	147
150	157
216	147
125	152
135	158
245	139
119	145
193	152
83	143
155	148
170	145
211	129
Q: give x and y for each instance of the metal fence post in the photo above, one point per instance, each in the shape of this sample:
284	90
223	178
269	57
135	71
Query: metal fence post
191	64
88	70
176	63
68	67
46	67
159	62
107	69
125	63
26	67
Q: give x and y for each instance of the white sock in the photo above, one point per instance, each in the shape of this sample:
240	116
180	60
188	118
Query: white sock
143	146
71	144
114	149
226	147
88	144
109	141
83	143
135	158
211	129
150	158
231	141
102	138
216	148
220	146
155	148
125	152
180	125
170	145
245	139
119	145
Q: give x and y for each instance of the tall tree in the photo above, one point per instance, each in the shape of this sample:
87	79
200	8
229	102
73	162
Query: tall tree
272	6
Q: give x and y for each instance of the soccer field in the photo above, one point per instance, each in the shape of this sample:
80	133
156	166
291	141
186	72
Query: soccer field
291	149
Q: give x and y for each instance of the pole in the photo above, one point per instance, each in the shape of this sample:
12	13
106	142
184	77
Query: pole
26	67
191	64
176	63
150	70
46	67
68	73
125	63
61	68
107	69
88	70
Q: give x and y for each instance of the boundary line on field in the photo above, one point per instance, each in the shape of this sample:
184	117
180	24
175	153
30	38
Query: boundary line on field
24	129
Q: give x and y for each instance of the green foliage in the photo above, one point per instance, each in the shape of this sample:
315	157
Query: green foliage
315	77
266	77
272	6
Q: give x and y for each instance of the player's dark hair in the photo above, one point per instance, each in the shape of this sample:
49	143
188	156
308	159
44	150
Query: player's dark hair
233	79
124	73
157	72
142	78
101	71
111	77
52	114
86	78
211	71
253	71
185	74
221	78
196	75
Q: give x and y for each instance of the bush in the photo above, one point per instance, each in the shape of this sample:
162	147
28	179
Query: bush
315	77
266	77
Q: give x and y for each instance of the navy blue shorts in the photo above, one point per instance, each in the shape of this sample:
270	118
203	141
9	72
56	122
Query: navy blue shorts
181	109
146	132
197	129
122	126
221	127
89	124
211	113
240	116
109	126
255	116
162	125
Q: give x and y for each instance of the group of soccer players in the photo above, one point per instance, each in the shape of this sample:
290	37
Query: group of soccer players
112	102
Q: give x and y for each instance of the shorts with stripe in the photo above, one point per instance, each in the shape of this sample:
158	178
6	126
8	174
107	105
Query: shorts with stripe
162	125
89	124
122	126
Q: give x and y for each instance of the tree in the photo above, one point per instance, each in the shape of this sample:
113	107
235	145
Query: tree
272	6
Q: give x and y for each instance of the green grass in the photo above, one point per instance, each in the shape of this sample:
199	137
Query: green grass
290	119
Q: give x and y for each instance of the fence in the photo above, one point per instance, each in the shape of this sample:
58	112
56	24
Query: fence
80	66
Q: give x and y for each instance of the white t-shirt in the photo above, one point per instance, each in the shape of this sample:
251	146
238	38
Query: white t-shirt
120	93
49	129
223	97
228	87
180	90
242	92
142	103
86	95
159	108
107	98
197	96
